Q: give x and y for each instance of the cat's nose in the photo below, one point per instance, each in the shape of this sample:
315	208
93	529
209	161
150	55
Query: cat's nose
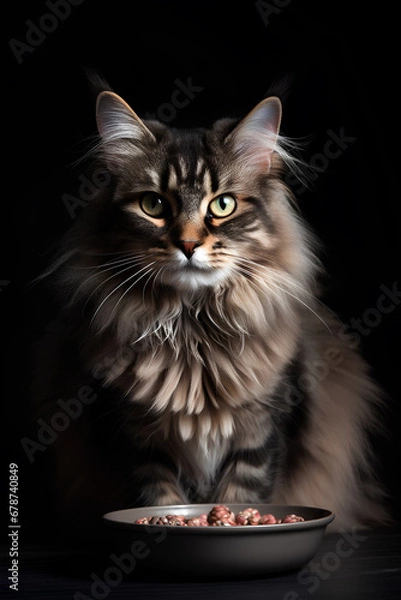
188	246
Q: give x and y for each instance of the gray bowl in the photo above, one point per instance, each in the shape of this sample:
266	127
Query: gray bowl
216	552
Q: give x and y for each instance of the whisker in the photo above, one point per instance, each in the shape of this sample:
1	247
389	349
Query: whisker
118	287
154	275
153	290
272	284
104	281
132	285
306	306
138	259
256	268
284	279
110	264
114	253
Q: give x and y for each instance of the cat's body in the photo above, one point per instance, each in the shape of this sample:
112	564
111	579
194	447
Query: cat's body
191	309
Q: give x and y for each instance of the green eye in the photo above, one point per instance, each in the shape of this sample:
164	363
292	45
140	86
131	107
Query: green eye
154	205
222	206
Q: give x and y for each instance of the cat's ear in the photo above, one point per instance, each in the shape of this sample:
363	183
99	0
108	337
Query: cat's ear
255	137
116	120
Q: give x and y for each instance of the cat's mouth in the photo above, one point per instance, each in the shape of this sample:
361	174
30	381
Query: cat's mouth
194	272
196	262
193	265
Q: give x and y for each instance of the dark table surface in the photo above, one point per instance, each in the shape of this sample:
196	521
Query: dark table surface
367	565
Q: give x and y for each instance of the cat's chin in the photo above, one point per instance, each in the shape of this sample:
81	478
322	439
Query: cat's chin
191	279
194	274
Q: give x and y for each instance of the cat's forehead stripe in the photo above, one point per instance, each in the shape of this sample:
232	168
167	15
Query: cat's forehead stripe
153	175
184	167
200	167
172	180
207	181
182	172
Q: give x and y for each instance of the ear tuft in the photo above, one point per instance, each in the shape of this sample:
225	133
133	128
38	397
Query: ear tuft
255	137
116	119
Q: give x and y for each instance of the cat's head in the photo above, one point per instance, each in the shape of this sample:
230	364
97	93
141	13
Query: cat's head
198	218
195	208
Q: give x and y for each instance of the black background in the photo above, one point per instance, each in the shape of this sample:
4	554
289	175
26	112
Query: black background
340	61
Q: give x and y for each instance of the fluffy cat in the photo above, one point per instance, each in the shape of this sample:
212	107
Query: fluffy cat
190	309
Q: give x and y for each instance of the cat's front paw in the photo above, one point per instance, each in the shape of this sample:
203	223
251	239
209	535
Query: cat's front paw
170	497
163	494
237	494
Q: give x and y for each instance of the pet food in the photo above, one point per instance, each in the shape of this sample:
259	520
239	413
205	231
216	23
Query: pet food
220	516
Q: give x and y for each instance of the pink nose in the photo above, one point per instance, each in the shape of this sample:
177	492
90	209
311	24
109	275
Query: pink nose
188	247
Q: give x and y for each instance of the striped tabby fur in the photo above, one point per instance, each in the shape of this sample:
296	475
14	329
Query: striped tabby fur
220	376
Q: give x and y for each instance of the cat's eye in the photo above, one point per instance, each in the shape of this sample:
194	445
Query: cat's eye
222	206
154	205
